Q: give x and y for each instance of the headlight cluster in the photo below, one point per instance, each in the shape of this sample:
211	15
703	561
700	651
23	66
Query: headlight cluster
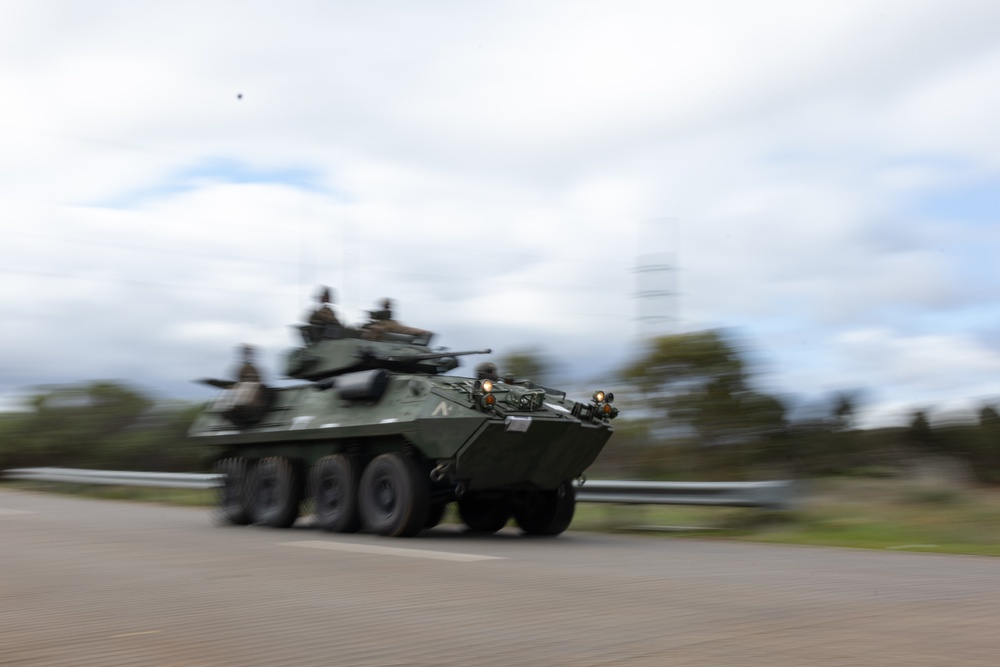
482	390
601	407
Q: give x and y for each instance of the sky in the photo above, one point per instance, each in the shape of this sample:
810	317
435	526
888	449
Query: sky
820	180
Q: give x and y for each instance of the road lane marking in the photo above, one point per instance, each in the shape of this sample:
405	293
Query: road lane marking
4	512
914	546
391	551
136	634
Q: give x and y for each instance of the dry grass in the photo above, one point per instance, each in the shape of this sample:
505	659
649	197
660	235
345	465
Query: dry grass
864	513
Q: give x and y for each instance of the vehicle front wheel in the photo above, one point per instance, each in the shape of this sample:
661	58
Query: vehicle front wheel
547	512
483	515
334	487
393	495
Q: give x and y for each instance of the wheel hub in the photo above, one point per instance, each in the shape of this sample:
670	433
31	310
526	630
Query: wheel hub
385	495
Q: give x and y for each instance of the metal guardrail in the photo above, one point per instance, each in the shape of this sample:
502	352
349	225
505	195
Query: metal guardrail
170	480
771	495
778	494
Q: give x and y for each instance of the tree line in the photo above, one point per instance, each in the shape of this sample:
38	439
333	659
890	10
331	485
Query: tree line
690	410
102	424
705	419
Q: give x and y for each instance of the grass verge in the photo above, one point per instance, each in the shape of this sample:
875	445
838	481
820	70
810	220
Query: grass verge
870	514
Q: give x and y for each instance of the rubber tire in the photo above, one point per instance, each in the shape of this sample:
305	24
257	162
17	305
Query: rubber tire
232	495
483	515
435	512
393	496
277	492
333	484
547	512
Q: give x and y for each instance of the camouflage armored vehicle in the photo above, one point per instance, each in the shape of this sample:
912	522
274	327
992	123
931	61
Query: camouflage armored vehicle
380	439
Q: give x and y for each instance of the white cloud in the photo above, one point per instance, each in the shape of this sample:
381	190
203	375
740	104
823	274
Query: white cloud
492	168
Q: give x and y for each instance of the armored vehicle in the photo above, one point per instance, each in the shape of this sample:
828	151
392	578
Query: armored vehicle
380	439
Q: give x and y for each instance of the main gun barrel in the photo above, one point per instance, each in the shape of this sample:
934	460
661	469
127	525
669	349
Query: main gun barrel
445	355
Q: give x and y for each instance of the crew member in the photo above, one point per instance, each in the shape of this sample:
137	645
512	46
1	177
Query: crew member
487	370
247	372
382	323
324	315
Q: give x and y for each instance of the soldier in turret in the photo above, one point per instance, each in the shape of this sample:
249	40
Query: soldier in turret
487	370
324	315
382	323
247	372
247	398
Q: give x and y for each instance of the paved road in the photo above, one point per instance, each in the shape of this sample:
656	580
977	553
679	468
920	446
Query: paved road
89	582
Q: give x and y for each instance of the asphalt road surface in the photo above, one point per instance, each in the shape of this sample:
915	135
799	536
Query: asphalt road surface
90	582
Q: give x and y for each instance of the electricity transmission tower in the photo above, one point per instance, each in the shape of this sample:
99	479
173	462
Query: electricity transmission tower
656	278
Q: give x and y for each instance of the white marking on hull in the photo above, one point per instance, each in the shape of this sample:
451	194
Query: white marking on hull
442	409
300	422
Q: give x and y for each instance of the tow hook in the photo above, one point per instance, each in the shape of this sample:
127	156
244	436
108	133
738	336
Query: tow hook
440	472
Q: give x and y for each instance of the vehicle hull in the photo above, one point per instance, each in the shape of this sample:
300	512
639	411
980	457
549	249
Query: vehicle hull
388	450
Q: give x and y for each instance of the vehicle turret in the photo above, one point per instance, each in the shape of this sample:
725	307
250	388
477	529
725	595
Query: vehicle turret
331	351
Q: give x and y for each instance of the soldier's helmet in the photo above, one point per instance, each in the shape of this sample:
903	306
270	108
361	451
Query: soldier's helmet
487	370
325	295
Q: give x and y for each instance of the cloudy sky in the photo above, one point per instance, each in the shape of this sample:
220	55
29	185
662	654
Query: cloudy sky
824	178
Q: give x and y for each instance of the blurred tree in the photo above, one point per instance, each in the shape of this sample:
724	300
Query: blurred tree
987	449
526	364
844	409
699	380
920	431
101	425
